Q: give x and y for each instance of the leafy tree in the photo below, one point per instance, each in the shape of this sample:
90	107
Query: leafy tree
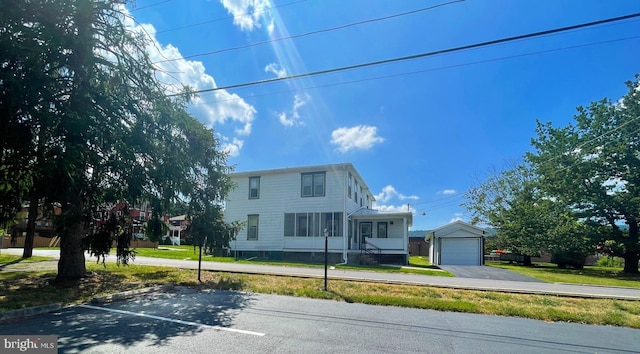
95	125
205	211
593	165
527	222
155	228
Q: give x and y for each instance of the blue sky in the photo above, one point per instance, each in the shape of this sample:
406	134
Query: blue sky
420	132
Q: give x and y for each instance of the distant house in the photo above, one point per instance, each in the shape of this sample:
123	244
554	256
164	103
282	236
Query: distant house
177	225
288	210
135	216
457	243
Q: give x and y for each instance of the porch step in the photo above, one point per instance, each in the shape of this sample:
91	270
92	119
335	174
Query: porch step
368	259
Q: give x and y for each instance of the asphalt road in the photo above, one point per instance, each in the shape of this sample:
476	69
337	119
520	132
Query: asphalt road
190	321
399	278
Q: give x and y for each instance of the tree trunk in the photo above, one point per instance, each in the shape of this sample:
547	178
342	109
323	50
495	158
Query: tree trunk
27	251
72	261
631	263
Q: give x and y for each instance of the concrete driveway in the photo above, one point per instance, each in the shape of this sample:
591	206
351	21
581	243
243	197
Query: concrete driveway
485	272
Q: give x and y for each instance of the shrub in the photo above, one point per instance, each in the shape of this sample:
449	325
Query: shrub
611	262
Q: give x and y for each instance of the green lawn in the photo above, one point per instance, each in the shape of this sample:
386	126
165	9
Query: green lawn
10	259
588	276
179	252
188	253
420	261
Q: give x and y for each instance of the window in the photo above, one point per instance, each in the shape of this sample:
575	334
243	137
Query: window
289	224
355	192
312	224
252	230
254	187
349	184
333	223
313	184
303	224
382	229
143	215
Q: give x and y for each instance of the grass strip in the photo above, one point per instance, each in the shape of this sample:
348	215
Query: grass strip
602	276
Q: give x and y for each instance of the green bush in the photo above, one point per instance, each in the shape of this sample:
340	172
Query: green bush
611	262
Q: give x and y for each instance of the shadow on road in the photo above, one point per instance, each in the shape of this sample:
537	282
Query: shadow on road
165	315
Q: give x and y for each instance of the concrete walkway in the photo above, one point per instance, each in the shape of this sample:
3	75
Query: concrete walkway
525	287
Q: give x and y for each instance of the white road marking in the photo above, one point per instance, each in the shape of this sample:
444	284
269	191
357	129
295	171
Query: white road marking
196	324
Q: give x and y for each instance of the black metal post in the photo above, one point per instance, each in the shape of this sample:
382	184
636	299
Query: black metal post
200	263
326	255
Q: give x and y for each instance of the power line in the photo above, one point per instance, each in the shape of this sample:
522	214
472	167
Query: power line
313	32
150	5
438	200
422	55
439	206
228	17
423	71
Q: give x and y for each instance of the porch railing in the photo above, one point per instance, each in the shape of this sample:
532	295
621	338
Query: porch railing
372	250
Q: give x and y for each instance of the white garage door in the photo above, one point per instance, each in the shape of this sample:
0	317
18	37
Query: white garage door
460	251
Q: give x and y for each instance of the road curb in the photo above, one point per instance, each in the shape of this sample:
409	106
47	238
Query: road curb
29	311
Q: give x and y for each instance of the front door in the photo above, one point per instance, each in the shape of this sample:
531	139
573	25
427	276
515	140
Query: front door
365	231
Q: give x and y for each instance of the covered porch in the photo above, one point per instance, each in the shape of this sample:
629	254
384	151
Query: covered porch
379	233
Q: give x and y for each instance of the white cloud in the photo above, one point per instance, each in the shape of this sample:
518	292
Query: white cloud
456	217
448	192
276	69
359	137
389	192
293	116
233	148
250	14
219	108
393	208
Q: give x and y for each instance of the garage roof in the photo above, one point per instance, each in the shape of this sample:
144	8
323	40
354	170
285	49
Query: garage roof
448	229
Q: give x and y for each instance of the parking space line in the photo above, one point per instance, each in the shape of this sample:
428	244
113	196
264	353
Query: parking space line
188	323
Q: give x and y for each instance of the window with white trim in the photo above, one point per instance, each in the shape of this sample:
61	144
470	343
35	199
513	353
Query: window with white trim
312	224
355	192
252	227
382	229
313	184
254	187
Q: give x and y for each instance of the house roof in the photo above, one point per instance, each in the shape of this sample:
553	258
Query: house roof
178	218
374	214
302	169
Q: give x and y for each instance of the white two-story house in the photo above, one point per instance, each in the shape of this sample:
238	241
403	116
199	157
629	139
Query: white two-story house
286	212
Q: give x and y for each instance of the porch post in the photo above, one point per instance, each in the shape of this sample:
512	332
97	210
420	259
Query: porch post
406	239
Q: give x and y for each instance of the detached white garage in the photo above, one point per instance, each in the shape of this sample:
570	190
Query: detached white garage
457	243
